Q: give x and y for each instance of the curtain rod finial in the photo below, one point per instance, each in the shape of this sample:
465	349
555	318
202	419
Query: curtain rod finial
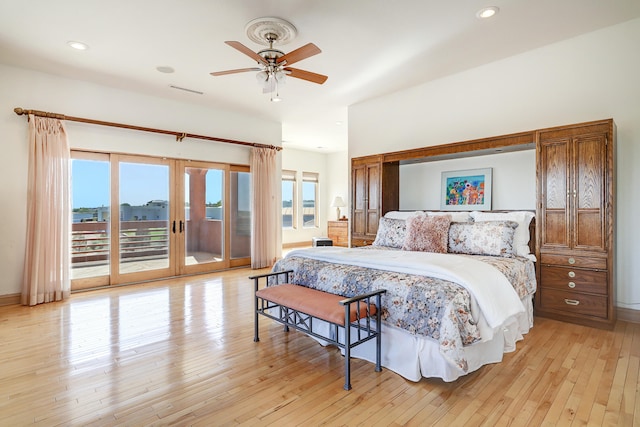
19	111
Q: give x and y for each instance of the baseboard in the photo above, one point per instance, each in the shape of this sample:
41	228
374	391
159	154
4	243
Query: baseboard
296	245
9	299
628	315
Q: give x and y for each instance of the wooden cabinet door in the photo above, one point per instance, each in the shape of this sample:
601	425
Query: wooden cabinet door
373	198
359	199
573	174
554	175
588	198
366	199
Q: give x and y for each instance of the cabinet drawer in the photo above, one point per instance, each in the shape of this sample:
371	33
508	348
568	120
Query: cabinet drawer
338	231
573	302
339	240
357	242
573	279
574	261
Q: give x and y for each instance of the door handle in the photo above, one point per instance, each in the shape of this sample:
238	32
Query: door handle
173	228
181	226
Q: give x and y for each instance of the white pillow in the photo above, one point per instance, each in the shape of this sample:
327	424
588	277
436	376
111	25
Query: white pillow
521	236
455	216
401	214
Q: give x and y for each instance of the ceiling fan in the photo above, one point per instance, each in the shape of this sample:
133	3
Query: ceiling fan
273	64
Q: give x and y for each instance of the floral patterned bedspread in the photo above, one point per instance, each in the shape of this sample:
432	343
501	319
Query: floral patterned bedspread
427	306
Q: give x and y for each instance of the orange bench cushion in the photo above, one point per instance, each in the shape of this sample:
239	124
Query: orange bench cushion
316	303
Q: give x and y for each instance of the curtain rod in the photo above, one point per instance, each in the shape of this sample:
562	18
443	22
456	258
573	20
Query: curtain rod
179	135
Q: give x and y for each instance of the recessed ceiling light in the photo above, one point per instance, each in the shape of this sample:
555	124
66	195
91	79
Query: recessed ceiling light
165	69
487	12
338	123
78	45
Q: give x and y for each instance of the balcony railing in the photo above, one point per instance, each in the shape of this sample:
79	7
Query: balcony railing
90	241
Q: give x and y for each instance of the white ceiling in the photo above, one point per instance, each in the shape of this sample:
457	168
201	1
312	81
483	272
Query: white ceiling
369	48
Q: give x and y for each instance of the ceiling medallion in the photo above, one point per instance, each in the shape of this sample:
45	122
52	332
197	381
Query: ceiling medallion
259	29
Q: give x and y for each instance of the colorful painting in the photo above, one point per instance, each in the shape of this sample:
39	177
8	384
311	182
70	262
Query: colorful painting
466	190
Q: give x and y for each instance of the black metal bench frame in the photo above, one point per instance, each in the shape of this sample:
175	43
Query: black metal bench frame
294	318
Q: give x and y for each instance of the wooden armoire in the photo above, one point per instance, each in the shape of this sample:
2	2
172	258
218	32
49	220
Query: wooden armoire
575	223
374	189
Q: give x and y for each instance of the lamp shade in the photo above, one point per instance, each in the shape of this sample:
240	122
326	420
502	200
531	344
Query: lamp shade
338	202
262	77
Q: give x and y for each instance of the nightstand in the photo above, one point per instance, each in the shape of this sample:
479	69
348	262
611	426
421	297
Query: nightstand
338	231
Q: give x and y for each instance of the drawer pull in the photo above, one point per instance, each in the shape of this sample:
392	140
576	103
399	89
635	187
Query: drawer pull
571	301
572	261
572	274
571	285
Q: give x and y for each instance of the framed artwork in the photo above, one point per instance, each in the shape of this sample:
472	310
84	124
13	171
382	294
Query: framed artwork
466	190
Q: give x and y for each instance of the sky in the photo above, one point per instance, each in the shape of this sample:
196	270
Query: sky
308	191
139	183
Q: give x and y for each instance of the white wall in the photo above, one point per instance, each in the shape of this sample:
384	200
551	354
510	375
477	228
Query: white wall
338	182
590	77
34	90
514	180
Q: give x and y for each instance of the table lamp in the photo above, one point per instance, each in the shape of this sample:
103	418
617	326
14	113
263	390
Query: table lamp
338	203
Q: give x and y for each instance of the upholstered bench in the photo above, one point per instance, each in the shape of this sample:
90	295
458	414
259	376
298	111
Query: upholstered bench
297	306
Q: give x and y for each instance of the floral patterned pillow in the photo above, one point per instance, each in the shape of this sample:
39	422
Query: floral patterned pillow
391	232
427	233
482	238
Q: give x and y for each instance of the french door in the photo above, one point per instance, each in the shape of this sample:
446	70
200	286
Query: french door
140	218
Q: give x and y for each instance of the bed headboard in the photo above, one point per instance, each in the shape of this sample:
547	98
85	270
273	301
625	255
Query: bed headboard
532	236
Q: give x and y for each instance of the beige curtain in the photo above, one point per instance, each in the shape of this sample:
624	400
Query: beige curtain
47	257
264	223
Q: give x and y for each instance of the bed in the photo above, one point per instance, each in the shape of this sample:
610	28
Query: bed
459	287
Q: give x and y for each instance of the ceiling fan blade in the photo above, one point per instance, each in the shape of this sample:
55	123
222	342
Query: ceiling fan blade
251	54
299	54
306	75
239	70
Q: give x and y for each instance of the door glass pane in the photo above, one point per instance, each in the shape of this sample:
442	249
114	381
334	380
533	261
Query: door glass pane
309	203
204	233
90	240
144	217
240	214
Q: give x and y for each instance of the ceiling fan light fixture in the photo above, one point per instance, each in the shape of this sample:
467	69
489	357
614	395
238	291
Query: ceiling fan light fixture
281	77
262	77
274	65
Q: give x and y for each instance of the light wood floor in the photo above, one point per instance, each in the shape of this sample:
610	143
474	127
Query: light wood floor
181	352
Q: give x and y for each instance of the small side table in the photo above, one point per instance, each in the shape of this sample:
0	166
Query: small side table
338	231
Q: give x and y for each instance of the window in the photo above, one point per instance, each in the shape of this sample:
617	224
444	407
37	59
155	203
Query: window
309	199
289	199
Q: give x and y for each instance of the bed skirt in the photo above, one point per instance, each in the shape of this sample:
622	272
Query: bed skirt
415	357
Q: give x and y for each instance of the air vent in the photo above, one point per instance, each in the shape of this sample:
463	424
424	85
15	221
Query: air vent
186	90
